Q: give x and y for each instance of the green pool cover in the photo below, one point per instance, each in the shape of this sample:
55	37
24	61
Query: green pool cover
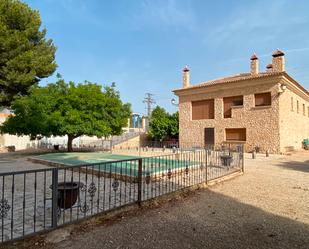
150	166
106	162
81	158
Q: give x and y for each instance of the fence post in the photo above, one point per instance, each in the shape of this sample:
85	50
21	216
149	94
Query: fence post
54	197
139	181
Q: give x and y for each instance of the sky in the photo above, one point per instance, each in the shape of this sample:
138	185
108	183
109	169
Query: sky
143	45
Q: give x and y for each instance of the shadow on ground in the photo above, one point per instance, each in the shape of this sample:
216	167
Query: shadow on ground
295	165
24	153
205	219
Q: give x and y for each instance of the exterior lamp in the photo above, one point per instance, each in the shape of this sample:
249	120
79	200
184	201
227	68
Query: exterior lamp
282	88
173	101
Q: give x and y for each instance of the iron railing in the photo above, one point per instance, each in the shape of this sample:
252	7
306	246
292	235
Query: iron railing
42	199
171	145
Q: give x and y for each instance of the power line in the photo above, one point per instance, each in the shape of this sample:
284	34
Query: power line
149	100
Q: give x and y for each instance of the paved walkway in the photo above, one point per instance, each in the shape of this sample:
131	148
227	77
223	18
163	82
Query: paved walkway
268	207
26	198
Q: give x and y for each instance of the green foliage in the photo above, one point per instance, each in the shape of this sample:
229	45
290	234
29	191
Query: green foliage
68	109
174	125
26	56
163	125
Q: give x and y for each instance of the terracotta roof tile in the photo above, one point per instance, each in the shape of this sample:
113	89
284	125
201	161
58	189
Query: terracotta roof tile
233	78
241	77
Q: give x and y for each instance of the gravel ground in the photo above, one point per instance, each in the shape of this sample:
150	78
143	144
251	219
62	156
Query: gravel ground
17	161
268	207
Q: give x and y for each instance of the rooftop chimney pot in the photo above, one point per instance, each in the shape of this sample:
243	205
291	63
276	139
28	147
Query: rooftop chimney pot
186	77
277	53
278	61
254	65
269	68
254	57
186	68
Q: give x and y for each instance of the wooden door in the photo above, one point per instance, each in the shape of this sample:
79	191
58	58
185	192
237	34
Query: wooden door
209	137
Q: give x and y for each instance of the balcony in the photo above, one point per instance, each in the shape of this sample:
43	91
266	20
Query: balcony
230	103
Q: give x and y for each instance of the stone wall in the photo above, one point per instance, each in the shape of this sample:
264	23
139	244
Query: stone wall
294	126
261	123
134	142
20	142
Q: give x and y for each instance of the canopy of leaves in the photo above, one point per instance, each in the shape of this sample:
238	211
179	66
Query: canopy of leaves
26	56
68	109
163	125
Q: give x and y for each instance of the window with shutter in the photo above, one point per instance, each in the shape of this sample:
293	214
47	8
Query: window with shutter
235	134
203	109
262	99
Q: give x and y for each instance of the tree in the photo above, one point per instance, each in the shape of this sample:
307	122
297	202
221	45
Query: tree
68	109
174	125
26	56
163	125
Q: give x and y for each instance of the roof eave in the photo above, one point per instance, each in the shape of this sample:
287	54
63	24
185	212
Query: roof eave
298	85
199	86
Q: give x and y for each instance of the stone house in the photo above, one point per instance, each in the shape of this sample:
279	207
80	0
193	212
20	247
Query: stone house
265	110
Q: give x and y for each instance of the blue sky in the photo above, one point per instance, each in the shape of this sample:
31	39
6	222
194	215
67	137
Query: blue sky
142	45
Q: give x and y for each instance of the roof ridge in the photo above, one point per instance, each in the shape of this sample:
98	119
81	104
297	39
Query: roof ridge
241	77
232	78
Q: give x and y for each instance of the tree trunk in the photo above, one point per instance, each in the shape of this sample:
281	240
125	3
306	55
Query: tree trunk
70	141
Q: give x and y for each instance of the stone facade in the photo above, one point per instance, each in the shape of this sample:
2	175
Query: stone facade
294	125
275	127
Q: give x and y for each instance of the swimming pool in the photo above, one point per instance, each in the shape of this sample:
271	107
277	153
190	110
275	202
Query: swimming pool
117	164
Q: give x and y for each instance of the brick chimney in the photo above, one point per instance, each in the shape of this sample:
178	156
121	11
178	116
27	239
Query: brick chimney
278	61
186	77
254	64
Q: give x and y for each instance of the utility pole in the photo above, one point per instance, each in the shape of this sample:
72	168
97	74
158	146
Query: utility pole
149	101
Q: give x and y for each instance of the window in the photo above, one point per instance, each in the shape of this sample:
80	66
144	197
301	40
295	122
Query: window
292	104
297	106
203	109
304	110
262	99
235	134
229	102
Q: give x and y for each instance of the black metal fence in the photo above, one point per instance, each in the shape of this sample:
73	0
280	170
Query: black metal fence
174	145
37	200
